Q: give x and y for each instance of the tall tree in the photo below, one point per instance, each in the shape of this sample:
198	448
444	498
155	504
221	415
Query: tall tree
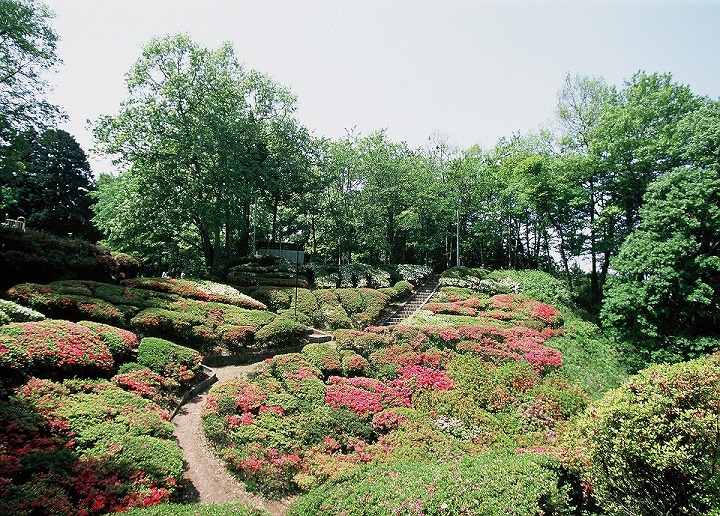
194	133
27	49
52	189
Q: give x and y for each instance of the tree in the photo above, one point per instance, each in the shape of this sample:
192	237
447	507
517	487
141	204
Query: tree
196	135
664	299
51	191
581	103
27	49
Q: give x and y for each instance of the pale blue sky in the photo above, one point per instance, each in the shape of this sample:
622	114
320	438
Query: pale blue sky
474	71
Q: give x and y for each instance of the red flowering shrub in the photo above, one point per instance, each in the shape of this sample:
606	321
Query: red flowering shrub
388	420
60	349
120	342
236	338
425	378
353	364
83	447
147	384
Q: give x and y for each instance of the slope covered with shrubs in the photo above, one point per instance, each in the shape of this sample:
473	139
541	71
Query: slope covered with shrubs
83	428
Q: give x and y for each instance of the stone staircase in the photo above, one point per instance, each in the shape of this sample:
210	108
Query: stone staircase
412	305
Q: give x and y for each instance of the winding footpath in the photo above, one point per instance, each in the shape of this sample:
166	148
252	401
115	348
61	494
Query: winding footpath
207	481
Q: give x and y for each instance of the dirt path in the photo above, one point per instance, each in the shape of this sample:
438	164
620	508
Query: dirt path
206	479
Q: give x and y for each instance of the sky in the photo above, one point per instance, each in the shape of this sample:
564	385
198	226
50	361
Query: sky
472	72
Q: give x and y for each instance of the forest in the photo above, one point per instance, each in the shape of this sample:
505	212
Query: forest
595	239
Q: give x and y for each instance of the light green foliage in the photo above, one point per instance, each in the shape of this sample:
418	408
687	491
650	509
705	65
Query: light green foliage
652	444
193	509
169	359
280	332
28	52
536	285
665	298
502	483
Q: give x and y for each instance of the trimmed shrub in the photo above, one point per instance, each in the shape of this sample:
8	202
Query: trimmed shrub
120	342
33	256
194	509
323	356
169	359
281	332
403	288
60	349
500	483
652	444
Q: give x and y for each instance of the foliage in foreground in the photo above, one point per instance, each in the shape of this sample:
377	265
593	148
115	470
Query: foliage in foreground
388	394
84	447
176	509
489	485
33	256
652	445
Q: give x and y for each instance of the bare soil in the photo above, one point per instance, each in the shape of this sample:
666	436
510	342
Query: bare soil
206	479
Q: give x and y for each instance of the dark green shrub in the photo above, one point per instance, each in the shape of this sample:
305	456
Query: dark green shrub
490	485
281	332
38	257
323	356
341	424
652	444
169	359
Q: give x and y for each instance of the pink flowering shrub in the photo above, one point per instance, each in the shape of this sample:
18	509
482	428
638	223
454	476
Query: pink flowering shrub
59	349
83	448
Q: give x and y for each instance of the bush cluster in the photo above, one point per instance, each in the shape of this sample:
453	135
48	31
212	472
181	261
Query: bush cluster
169	359
384	394
490	484
651	446
33	256
327	308
13	312
157	309
84	447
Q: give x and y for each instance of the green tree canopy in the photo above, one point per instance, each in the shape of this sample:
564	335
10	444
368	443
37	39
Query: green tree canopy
202	137
665	296
51	191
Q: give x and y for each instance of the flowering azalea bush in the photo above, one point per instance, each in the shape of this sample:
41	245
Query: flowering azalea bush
13	312
197	289
83	447
284	429
488	484
170	360
58	349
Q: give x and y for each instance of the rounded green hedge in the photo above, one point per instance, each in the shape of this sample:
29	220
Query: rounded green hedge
493	484
652	444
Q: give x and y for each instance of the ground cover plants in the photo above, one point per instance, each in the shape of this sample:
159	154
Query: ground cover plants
84	428
204	315
384	395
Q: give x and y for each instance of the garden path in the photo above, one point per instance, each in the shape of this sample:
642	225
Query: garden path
207	480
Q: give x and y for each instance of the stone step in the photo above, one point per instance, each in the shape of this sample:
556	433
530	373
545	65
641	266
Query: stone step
316	336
